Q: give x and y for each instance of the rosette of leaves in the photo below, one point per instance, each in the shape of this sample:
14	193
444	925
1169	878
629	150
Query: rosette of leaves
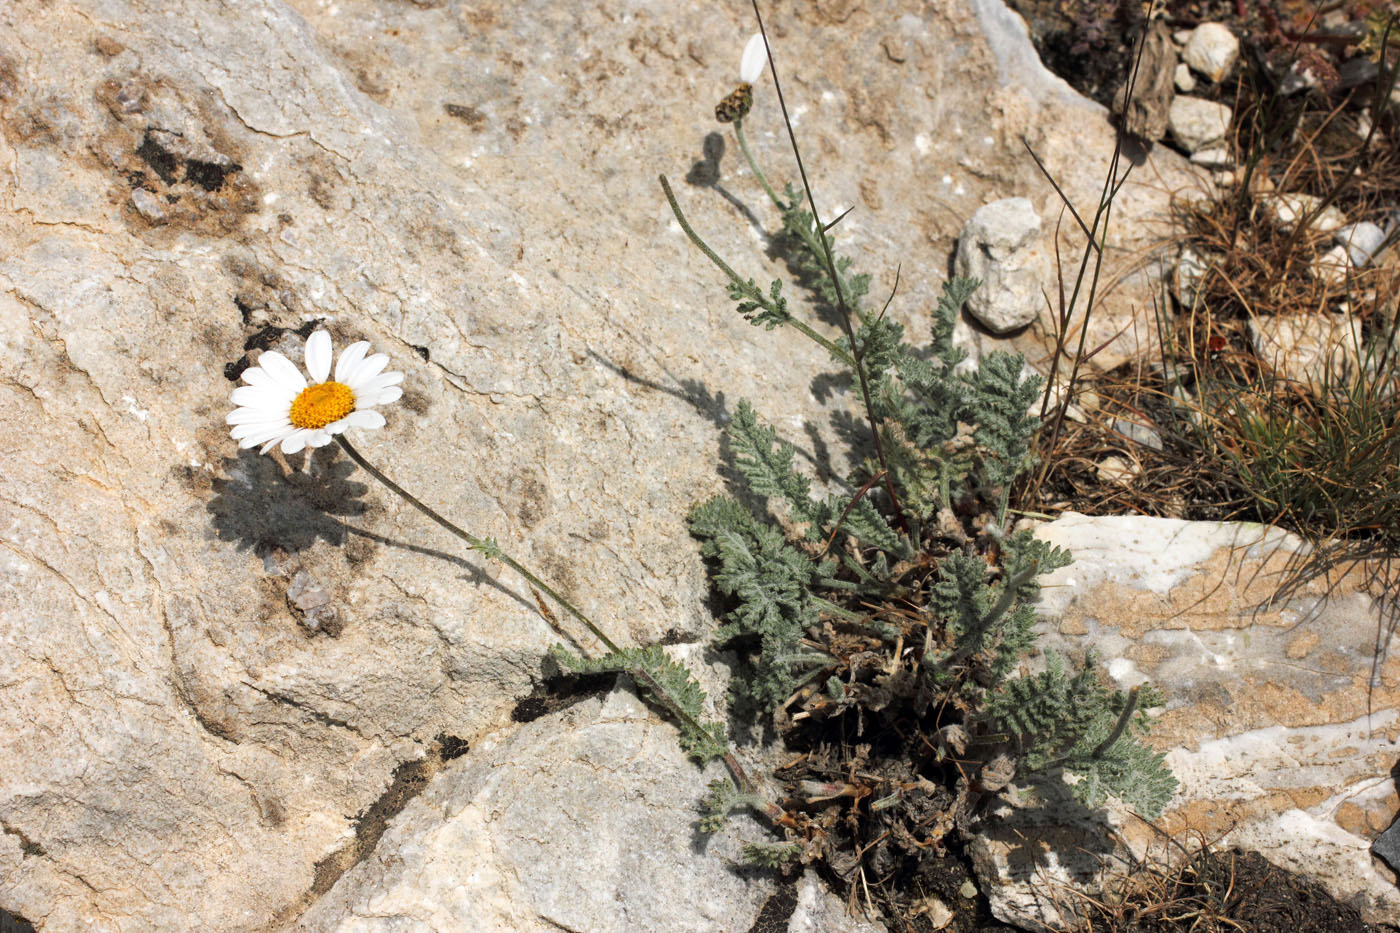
884	627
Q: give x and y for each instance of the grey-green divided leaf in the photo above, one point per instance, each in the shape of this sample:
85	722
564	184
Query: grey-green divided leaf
664	683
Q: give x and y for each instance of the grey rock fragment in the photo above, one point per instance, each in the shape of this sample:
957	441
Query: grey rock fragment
148	205
1212	50
1145	115
1387	846
1362	241
1138	433
1197	124
998	247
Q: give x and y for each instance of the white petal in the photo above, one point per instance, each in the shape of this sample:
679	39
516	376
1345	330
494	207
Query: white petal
367	369
269	400
283	371
318	438
377	384
249	438
362	419
385	396
257	376
257	427
294	443
755	57
253	416
318	355
349	359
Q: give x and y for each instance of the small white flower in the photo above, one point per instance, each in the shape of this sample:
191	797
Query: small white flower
277	406
755	57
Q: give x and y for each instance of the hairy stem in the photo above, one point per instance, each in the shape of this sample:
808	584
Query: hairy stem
753	166
492	549
751	291
487	547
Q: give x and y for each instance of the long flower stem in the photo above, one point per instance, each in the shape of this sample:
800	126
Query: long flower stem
490	548
753	165
749	290
484	545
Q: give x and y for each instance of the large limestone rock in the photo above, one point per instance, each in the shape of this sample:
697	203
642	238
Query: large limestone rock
584	821
1280	721
188	743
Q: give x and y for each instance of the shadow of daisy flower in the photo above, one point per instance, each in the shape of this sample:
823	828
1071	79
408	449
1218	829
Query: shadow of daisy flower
261	505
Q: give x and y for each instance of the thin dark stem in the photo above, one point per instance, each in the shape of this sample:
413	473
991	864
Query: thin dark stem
750	291
841	304
486	546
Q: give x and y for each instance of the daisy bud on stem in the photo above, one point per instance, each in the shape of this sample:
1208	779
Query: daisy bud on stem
736	106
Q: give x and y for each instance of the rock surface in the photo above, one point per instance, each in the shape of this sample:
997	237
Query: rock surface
1197	124
999	246
197	735
1316	350
1211	51
1281	723
579	821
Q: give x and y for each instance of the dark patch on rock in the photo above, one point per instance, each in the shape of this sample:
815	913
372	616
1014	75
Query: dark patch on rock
559	693
777	910
474	118
452	746
409	780
161	161
14	923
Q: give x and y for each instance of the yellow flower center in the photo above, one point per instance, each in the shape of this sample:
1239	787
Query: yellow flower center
319	405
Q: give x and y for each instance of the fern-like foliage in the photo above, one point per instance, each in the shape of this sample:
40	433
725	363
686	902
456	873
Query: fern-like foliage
756	308
664	683
809	259
770	854
998	407
1074	723
770	582
766	464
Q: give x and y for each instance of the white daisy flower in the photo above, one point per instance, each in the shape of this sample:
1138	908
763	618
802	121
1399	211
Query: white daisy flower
277	406
755	57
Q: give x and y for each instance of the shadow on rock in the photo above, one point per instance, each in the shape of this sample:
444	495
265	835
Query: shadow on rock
706	172
262	505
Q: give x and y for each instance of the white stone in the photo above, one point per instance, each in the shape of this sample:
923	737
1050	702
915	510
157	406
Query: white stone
1332	266
1116	469
1189	269
1184	80
999	246
1317	350
1214	157
1287	209
1197	124
1362	240
1211	51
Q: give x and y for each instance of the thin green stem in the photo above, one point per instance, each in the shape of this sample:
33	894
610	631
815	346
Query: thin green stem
753	166
484	545
491	549
751	291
